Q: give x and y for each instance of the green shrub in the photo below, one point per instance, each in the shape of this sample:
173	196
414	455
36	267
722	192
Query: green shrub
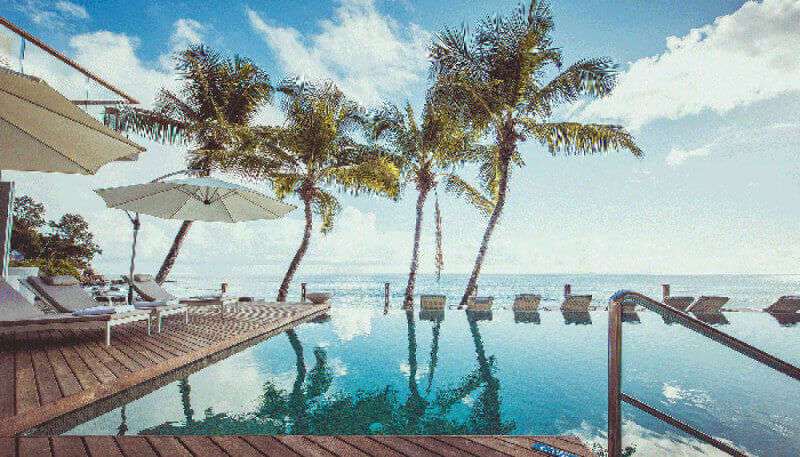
50	267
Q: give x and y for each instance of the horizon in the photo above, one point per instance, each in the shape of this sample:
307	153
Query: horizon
712	194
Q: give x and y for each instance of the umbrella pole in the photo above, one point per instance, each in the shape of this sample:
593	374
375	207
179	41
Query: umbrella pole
136	224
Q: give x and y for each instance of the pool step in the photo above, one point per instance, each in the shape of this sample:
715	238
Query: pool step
292	445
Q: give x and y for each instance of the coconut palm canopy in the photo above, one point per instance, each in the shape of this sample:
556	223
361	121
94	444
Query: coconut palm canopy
41	130
218	96
311	155
494	77
429	153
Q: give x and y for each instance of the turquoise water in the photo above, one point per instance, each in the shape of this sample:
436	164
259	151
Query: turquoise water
363	371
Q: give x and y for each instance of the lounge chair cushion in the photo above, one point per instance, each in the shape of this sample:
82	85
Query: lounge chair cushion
143	278
14	306
786	304
66	299
94	310
150	290
63	280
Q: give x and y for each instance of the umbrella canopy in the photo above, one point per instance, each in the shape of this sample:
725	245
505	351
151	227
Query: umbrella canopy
41	130
195	199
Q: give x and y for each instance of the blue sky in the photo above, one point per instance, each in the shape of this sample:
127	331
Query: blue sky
710	89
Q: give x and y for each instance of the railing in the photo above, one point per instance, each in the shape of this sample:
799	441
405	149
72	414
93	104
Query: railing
615	394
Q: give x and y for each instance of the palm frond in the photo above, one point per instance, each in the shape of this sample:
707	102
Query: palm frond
573	138
152	125
327	207
460	188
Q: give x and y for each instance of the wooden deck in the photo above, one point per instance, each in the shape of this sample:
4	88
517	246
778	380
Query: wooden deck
290	446
54	380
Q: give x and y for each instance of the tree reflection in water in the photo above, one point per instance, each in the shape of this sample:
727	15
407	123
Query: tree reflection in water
309	408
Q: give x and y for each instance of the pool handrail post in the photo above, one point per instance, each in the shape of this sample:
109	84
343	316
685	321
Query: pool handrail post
614	378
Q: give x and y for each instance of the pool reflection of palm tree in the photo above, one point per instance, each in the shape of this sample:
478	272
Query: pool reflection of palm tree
309	408
437	326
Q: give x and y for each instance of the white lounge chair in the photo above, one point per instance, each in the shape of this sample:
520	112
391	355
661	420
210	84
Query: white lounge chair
707	304
526	302
19	315
432	301
146	286
679	303
65	294
787	304
480	303
576	303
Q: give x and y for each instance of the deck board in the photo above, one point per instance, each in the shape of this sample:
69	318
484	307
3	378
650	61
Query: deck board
289	446
49	374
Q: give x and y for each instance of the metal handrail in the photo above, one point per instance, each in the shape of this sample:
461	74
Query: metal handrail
615	394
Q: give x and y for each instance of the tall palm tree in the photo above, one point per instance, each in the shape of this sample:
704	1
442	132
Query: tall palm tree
311	153
429	153
494	77
218	96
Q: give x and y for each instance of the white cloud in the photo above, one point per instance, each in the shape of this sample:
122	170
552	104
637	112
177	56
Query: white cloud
731	138
678	155
51	15
742	58
71	9
368	54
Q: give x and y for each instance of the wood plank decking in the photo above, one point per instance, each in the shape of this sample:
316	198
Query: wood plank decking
45	375
289	446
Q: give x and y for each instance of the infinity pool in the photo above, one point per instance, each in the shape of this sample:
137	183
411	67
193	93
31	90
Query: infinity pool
363	372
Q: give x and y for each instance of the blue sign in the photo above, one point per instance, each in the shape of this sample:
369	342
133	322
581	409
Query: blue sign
541	447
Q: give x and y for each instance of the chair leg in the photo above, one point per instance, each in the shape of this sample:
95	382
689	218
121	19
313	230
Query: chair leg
159	324
148	325
108	333
186	315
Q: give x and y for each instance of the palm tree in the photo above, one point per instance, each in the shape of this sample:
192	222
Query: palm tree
494	78
218	96
429	152
312	152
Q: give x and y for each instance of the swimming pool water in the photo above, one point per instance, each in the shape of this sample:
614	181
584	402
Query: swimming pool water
365	372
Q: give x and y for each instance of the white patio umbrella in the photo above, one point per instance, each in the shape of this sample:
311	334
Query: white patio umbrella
191	199
41	130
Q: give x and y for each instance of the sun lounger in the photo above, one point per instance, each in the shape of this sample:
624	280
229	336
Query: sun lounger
526	302
679	303
64	293
19	315
67	296
480	303
716	318
706	304
148	288
785	305
573	303
432	301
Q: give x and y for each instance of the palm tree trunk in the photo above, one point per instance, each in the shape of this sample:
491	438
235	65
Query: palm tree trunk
408	301
301	251
172	255
487	235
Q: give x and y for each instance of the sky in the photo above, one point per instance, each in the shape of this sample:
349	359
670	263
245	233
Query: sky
711	91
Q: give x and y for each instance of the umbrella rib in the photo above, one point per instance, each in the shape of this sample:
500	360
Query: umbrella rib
222	197
188	196
69	159
262	207
222	201
91	127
